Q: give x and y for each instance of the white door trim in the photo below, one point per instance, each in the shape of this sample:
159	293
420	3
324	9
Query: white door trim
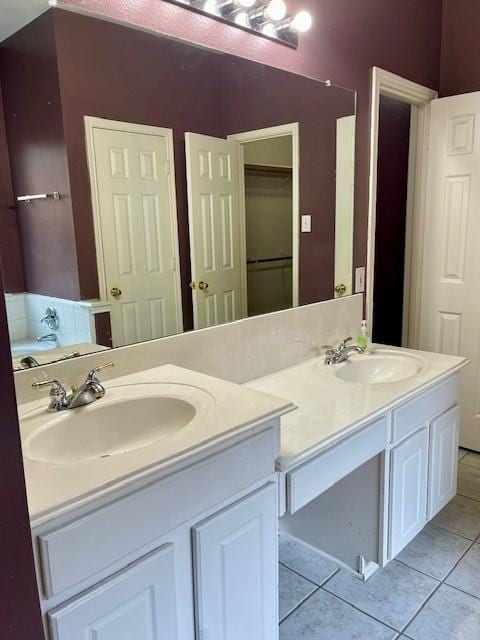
92	123
388	84
291	129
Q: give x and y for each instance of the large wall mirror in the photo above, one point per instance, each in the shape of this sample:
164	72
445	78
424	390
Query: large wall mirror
158	187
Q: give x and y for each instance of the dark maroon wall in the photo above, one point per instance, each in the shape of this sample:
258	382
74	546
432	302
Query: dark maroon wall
19	611
10	253
229	94
131	76
255	96
460	62
393	150
348	38
33	117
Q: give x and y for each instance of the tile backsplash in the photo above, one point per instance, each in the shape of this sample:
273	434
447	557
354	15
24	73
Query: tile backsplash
76	318
238	351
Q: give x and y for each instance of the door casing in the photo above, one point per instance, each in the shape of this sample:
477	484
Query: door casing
291	129
419	97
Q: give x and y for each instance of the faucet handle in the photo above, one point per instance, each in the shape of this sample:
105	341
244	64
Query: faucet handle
58	394
92	376
344	343
55	384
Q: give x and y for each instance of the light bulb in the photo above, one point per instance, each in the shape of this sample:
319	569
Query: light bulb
268	29
245	3
276	9
242	19
302	21
211	6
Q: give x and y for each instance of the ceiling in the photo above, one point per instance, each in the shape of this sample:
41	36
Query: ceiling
15	14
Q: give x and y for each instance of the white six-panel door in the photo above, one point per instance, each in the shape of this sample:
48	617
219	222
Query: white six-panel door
236	581
344	207
138	603
216	214
133	185
450	305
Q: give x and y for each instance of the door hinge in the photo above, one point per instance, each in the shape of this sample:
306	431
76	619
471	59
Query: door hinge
167	168
174	263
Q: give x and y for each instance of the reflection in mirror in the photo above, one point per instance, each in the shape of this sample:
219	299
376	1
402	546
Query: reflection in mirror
194	188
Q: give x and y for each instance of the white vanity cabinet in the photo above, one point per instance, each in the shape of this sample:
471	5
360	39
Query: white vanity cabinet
139	602
408	494
191	556
235	560
423	465
444	433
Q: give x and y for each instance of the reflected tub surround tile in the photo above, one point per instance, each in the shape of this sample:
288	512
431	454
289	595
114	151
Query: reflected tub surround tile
461	516
448	615
293	589
471	459
434	552
325	617
304	560
466	576
392	595
469	481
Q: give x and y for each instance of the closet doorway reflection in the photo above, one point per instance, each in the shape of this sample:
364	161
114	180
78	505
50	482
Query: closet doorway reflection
271	217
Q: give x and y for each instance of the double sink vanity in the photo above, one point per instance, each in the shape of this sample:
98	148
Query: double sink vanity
157	508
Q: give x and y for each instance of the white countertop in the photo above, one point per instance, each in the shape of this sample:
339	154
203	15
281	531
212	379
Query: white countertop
329	409
44	353
232	410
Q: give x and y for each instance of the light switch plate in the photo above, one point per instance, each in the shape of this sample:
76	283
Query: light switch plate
306	223
360	280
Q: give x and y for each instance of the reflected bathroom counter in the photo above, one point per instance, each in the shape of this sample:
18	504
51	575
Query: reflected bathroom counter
43	352
148	425
330	407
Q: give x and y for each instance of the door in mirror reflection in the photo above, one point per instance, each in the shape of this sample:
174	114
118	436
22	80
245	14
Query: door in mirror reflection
133	187
216	214
241	224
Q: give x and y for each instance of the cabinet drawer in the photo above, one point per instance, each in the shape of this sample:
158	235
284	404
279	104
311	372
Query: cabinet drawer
424	407
73	555
311	479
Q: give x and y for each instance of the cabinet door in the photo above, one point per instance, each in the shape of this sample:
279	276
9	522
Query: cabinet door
444	434
137	603
408	490
236	575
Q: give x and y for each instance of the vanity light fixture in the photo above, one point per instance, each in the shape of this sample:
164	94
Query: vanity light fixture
276	10
268	18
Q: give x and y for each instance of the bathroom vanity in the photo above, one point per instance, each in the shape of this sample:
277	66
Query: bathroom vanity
173	534
173	531
366	462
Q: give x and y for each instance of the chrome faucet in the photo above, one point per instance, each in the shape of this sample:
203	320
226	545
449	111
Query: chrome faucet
90	391
335	355
50	337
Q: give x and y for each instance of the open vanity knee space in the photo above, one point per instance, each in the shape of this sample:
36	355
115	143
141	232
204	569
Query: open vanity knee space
364	467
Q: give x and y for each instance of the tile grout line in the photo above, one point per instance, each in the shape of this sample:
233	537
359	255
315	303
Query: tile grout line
465	496
442	582
317	588
353	606
315	584
298	605
437	526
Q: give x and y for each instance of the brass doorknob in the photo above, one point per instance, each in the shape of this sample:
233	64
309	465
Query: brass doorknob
115	292
203	285
340	289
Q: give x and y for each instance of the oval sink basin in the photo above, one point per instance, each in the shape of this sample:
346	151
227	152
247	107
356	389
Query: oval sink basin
380	367
125	420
